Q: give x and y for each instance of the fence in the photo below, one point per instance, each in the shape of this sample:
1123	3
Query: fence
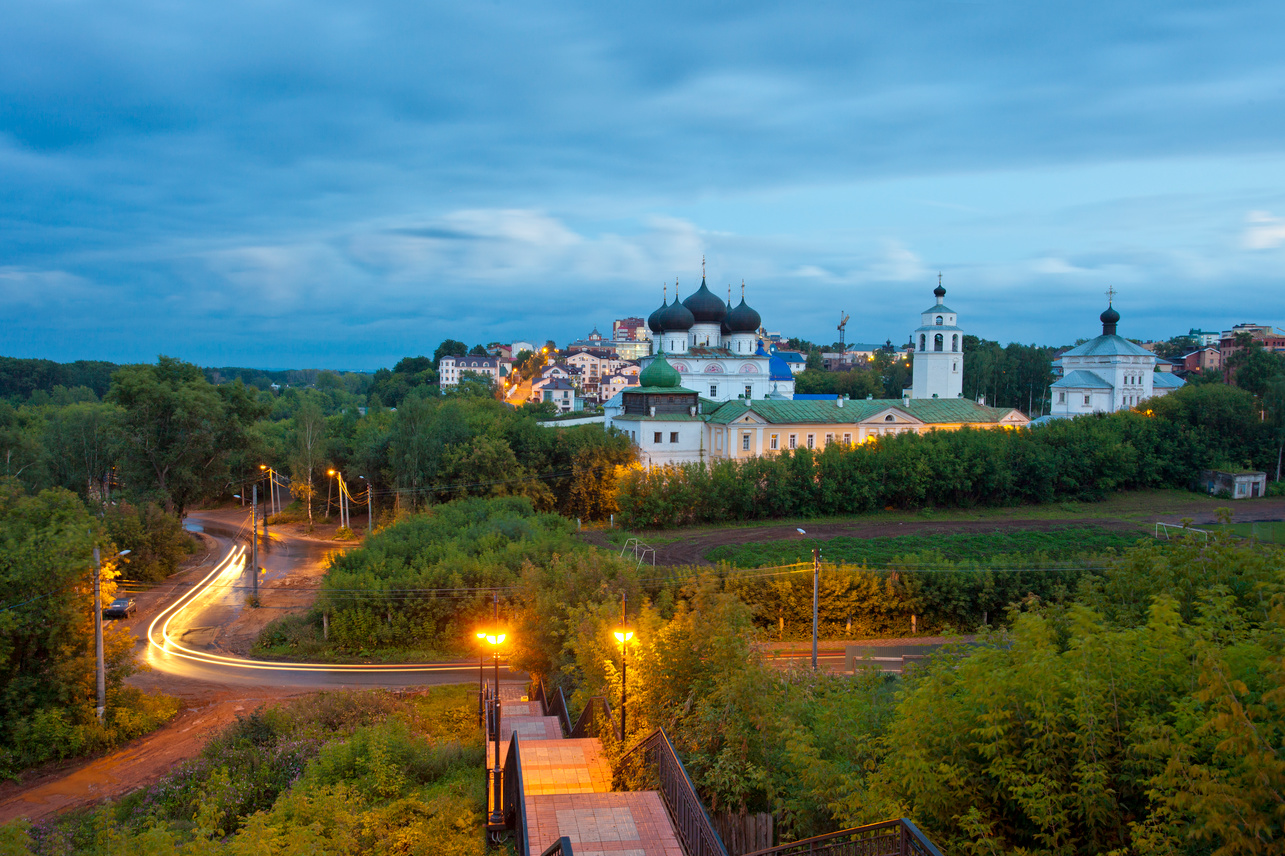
515	797
744	833
889	838
695	831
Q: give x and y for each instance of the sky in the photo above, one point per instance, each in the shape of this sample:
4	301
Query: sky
280	184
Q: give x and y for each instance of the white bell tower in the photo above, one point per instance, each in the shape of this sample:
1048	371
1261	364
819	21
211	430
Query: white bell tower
938	368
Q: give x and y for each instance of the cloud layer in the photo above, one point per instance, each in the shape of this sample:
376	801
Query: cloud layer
323	184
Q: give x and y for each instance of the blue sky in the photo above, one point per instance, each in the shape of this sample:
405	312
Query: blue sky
339	184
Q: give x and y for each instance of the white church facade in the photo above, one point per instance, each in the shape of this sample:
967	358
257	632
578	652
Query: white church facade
1107	374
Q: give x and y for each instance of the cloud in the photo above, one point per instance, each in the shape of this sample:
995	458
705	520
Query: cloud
1264	232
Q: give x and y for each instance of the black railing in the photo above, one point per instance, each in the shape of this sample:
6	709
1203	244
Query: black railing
596	719
515	797
561	847
889	838
554	704
695	831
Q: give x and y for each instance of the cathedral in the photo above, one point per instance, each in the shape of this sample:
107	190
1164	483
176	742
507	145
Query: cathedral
715	347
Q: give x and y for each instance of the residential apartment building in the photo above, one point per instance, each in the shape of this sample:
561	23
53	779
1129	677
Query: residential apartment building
451	368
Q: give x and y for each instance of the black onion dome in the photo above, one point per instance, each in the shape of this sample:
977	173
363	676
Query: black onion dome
676	317
1109	319
705	306
653	320
939	291
743	319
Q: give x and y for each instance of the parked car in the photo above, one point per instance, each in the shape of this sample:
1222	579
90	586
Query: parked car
121	607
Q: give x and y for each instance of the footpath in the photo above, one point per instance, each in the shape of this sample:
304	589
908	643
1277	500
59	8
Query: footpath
567	786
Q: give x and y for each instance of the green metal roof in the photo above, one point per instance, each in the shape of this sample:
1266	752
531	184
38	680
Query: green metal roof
656	390
947	410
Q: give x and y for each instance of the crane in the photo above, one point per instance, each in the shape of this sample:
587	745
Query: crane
842	331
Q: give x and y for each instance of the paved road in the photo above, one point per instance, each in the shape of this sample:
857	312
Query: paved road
181	630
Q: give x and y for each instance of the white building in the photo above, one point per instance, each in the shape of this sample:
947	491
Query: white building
1107	374
450	368
715	348
938	368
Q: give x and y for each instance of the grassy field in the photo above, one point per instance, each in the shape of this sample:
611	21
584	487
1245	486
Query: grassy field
1063	544
1141	507
1270	533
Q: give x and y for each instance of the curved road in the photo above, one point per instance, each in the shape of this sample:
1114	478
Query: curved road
180	638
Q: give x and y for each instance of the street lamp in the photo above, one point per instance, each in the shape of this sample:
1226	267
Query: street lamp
495	639
100	666
481	688
623	636
370	508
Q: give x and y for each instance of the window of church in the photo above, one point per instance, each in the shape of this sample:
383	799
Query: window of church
745	442
748	391
938	342
923	342
1086	399
673	436
713	391
939	320
656	439
954	342
1061	398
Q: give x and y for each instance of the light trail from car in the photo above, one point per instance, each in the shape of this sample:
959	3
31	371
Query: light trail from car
163	640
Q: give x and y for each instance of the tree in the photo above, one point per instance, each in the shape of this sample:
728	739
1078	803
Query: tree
478	351
1254	367
46	634
20	432
449	348
82	442
309	448
178	432
1274	403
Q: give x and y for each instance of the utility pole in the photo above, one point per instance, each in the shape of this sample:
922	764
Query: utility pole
816	585
254	537
101	671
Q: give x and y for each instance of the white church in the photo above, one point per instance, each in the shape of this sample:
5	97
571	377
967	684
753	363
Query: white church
1107	373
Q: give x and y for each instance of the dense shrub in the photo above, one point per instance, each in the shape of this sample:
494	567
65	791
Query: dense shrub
1086	458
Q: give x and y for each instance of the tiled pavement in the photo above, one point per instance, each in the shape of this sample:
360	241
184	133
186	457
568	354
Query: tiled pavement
568	792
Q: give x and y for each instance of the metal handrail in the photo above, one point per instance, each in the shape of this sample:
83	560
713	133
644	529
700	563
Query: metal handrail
696	832
590	724
555	706
561	847
515	796
887	838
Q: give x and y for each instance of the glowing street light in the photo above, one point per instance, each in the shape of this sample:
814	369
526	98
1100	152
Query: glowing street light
623	635
495	639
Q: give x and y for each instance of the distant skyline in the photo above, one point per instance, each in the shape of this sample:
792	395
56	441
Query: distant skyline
328	185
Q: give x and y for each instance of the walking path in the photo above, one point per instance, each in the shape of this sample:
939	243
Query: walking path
567	784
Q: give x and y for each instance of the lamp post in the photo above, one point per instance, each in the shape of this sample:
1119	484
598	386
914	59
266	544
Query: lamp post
100	666
370	507
481	689
623	635
496	638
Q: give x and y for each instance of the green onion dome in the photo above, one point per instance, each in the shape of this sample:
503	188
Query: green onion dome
660	374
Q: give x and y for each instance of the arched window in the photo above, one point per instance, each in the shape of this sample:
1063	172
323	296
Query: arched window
954	342
888	418
938	341
938	320
923	342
